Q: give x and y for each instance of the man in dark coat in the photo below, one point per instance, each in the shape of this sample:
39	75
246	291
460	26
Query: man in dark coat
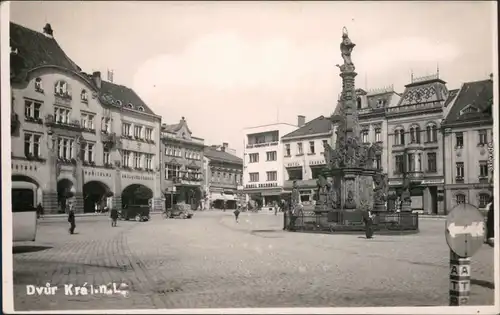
490	223
368	219
71	220
114	216
39	210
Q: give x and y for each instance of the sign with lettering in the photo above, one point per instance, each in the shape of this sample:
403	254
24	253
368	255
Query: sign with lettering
465	230
460	272
137	177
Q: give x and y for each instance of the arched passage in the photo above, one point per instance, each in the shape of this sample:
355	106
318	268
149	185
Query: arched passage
95	193
26	193
65	190
136	194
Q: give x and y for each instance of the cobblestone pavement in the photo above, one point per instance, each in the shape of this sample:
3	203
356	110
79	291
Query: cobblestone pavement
212	261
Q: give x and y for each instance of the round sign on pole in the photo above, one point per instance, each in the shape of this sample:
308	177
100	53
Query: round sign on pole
465	230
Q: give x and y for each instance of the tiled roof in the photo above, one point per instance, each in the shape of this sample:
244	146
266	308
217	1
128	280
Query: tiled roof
451	97
433	90
176	127
315	126
34	49
478	94
216	155
125	95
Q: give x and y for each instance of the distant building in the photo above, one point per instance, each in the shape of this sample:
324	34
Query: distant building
182	166
263	161
76	137
303	155
223	176
468	130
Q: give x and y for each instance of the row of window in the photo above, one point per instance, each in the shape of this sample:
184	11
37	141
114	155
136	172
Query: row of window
271	176
32	110
140	132
270	156
460	170
482	138
300	148
226	177
484	199
177	152
173	171
415	135
137	159
415	163
365	138
62	88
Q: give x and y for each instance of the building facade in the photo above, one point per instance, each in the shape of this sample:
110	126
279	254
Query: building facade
263	162
223	177
303	156
414	143
468	132
182	167
76	138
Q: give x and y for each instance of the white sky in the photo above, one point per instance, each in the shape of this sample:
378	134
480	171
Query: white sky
230	65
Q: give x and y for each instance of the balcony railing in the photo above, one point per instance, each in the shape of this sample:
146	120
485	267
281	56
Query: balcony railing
413	107
260	145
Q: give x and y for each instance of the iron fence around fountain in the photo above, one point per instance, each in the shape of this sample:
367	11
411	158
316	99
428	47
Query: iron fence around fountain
350	221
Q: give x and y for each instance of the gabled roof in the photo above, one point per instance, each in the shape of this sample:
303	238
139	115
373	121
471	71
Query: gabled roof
216	155
35	49
479	95
315	126
176	127
125	95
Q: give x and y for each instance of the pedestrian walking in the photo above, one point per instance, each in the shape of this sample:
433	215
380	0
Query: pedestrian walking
71	220
368	220
114	216
490	224
39	211
236	214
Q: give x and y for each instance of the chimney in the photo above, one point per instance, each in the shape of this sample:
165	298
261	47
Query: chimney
301	120
491	77
47	31
225	145
96	76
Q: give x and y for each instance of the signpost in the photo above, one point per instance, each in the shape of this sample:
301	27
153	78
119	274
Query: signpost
464	235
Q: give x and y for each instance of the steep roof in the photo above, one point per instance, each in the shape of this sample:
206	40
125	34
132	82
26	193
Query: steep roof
473	102
222	156
176	127
315	126
451	97
35	49
125	95
424	90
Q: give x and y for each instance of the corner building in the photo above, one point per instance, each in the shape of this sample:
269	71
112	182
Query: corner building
468	138
75	137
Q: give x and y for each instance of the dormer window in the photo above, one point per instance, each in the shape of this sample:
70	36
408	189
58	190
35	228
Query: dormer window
469	109
119	103
130	105
380	103
38	85
61	88
84	96
141	108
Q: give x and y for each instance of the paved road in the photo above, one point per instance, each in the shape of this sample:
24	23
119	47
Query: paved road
212	261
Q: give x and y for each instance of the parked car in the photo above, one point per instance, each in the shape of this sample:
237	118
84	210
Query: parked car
179	212
140	213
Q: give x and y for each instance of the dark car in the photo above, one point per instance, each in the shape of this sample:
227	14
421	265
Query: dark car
179	212
139	213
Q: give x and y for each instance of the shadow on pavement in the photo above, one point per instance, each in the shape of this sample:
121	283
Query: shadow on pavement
483	283
28	248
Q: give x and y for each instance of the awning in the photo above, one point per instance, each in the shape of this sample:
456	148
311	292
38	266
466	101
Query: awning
220	196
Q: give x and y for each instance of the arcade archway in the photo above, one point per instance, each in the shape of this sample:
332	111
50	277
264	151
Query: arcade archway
65	191
136	194
95	194
26	193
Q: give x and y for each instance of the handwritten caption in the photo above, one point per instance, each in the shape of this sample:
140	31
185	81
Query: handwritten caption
79	290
